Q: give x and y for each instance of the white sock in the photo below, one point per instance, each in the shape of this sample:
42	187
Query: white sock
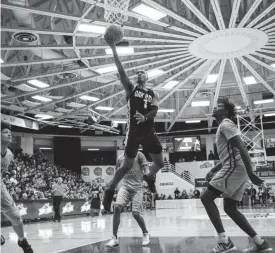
21	239
258	240
223	237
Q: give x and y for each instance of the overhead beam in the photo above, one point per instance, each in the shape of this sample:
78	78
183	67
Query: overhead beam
199	15
253	72
249	13
99	56
260	63
218	14
239	81
174	15
261	16
39	12
100	87
92	46
217	91
194	92
177	54
234	14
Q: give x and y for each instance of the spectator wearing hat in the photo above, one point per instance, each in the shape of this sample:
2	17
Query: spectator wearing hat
59	191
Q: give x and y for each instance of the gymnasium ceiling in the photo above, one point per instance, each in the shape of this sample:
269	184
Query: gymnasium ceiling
41	41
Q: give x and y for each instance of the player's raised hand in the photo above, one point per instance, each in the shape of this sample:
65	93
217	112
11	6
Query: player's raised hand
139	117
255	179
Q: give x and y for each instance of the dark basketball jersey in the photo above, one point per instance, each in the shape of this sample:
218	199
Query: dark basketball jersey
140	101
95	192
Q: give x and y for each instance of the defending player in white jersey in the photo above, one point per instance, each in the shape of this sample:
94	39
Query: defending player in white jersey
8	207
230	181
131	190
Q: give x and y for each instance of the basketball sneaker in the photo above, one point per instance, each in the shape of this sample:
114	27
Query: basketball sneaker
145	239
223	247
264	247
107	199
150	182
2	240
25	246
113	242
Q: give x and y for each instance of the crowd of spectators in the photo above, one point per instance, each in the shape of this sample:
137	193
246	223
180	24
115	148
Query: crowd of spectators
261	196
30	177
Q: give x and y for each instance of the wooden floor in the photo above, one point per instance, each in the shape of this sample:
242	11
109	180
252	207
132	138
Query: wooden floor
171	231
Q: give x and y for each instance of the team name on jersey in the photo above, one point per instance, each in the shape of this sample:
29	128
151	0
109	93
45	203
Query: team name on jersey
140	94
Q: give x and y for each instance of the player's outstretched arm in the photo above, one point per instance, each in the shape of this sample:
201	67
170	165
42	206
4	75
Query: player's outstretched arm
127	84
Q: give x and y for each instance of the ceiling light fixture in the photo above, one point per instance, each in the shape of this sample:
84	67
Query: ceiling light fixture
192	121
89	98
166	110
212	78
38	83
154	72
170	85
90	28
43	116
249	80
93	149
200	103
65	126
1	61
44	148
104	108
119	121
108	69
269	114
121	50
148	11
263	101
41	98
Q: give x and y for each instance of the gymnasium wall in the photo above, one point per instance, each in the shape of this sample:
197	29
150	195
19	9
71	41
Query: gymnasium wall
167	182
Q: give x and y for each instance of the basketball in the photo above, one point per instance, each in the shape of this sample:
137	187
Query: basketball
114	33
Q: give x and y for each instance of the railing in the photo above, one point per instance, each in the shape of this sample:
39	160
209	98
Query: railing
185	175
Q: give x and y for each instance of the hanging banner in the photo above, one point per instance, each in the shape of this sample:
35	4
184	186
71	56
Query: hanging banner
102	174
201	182
207	164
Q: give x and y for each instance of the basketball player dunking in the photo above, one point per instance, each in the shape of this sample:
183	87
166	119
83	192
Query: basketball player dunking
131	191
142	109
8	207
232	173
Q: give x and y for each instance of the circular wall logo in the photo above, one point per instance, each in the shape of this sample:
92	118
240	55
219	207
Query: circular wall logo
98	171
85	171
110	171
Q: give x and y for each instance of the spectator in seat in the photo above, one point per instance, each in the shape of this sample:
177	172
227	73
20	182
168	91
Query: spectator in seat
253	193
177	192
169	197
184	195
211	156
196	194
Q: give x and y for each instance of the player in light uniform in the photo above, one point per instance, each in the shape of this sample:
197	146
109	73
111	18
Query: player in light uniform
8	207
230	180
131	190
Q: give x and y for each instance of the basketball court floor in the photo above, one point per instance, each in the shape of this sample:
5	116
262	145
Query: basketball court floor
171	230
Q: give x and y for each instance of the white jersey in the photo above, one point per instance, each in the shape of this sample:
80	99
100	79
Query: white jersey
133	180
6	160
227	154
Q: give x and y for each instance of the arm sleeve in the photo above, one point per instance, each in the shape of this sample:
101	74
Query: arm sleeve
229	129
